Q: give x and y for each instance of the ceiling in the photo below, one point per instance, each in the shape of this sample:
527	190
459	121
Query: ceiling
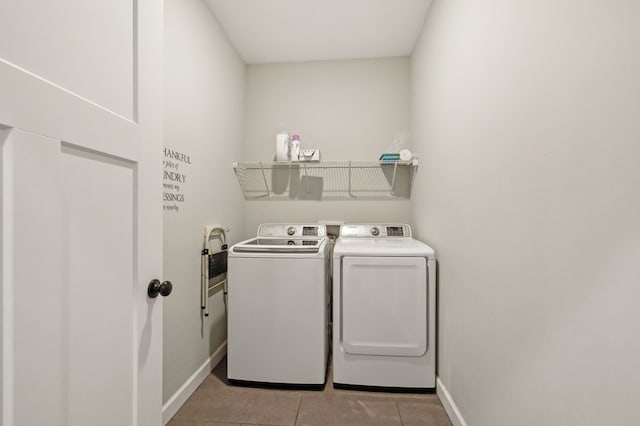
265	31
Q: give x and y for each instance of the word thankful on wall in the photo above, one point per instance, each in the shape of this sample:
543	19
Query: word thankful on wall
174	177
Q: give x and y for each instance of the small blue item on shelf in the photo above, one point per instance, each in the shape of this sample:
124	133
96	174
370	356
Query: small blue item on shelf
390	156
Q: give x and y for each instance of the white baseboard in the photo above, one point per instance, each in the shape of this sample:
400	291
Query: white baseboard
450	407
171	407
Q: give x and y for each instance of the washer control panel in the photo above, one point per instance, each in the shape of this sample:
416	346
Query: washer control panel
375	230
291	230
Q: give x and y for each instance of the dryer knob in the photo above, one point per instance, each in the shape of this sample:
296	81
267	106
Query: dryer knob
375	231
291	230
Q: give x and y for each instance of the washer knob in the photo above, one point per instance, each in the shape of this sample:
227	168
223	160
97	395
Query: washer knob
291	230
375	231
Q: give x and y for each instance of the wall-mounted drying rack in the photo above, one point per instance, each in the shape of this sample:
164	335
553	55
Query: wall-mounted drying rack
328	180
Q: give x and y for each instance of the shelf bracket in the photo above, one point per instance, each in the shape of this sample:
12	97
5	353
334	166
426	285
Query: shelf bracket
264	177
306	179
350	180
393	179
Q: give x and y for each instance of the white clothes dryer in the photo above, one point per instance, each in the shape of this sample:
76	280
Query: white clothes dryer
384	303
278	299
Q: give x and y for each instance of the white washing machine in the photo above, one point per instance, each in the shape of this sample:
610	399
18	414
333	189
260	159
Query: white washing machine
384	306
278	299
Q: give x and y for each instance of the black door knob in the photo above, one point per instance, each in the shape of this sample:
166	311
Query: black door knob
156	287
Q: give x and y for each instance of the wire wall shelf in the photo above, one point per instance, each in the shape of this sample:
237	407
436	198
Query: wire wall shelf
328	180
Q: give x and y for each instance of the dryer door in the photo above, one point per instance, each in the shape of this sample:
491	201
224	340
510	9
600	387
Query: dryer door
384	306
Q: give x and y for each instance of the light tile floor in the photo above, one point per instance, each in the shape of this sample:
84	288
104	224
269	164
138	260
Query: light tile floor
216	403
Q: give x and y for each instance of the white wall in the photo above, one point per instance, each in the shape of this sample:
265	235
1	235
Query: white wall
527	116
350	110
204	93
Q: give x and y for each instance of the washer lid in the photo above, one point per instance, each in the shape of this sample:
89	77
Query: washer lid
279	245
381	247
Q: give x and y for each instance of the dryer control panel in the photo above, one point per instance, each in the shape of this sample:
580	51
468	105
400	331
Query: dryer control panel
376	230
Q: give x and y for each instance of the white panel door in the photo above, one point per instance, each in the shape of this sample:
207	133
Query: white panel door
80	212
384	305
